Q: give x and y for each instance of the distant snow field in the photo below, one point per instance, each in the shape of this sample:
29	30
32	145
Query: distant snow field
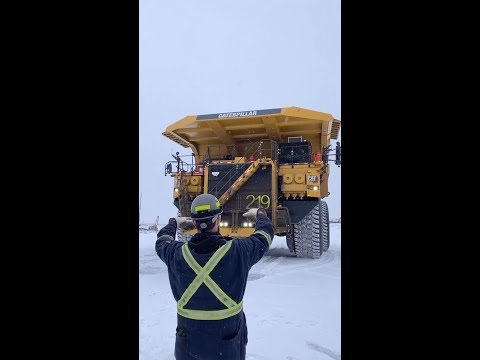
292	305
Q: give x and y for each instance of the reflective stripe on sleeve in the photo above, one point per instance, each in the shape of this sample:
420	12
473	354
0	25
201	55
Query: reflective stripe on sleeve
261	232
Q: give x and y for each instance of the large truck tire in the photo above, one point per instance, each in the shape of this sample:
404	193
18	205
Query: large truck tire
183	237
311	236
306	235
325	226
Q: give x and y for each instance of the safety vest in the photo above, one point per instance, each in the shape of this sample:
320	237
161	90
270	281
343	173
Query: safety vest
203	277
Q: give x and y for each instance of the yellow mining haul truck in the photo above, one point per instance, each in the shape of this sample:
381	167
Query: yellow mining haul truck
277	159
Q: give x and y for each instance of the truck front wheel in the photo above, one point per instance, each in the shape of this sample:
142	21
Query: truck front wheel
311	236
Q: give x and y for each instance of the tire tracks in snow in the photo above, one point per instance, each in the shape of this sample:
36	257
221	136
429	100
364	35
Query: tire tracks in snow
280	262
323	350
149	263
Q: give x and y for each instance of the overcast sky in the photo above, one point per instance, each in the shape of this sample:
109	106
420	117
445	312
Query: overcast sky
212	56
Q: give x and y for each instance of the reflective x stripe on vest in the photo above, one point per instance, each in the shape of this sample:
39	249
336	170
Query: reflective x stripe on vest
203	277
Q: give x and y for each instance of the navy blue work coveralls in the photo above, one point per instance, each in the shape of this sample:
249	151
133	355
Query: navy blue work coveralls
227	338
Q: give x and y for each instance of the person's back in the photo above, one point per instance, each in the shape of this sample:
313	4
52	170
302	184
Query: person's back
208	277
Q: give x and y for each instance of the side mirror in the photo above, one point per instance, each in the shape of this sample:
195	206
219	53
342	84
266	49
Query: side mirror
168	168
338	153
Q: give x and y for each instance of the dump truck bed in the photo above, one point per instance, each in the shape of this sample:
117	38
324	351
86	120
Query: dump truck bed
201	131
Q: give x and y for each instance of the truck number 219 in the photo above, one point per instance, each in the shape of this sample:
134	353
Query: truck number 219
263	201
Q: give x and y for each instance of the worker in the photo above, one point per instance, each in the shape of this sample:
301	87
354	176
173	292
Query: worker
208	276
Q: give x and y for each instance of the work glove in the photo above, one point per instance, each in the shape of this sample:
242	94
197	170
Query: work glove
171	221
261	212
255	212
185	223
166	237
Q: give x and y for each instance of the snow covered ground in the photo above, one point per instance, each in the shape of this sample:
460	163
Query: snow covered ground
292	305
